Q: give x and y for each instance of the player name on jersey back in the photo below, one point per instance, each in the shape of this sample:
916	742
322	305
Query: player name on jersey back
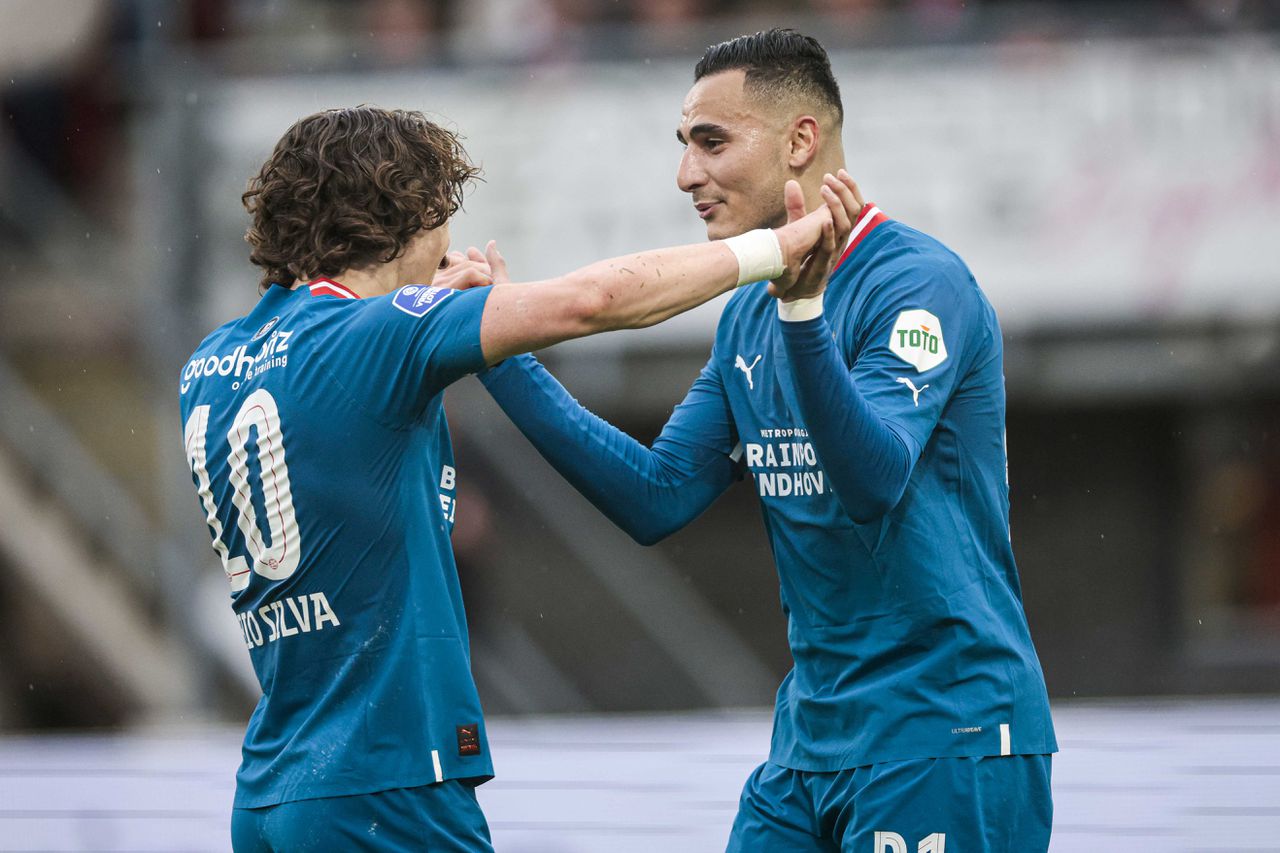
297	614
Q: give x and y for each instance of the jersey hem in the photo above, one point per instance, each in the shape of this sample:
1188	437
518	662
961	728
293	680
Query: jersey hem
848	762
266	800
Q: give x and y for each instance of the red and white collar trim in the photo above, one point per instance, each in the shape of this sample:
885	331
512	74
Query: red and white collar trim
868	220
329	287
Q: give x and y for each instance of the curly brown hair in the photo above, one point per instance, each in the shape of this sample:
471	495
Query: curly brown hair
348	188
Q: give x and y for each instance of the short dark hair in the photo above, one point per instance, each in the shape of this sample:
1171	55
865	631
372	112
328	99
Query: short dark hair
780	63
349	188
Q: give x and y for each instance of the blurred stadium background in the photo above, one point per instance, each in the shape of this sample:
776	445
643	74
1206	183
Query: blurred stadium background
1110	170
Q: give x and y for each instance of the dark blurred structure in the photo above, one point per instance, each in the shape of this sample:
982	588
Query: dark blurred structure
1143	444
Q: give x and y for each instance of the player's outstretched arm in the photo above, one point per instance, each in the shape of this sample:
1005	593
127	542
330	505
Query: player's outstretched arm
648	492
648	287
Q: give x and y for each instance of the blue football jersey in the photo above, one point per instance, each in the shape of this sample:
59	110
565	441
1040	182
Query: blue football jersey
905	614
316	436
908	632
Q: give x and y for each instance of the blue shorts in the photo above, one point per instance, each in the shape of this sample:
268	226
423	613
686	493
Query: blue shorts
997	804
442	818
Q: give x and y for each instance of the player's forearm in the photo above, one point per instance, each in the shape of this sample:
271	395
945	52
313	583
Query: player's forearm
638	290
866	462
632	291
648	493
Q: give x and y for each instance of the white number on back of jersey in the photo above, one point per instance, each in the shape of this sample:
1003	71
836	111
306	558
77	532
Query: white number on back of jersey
892	842
280	559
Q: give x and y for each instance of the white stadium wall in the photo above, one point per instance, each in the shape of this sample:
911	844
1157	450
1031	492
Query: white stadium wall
1117	180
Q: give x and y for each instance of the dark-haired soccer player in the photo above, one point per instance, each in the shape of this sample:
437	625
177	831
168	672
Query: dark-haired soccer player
317	441
916	717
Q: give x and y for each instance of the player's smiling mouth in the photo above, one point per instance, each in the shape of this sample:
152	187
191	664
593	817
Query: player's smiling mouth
706	208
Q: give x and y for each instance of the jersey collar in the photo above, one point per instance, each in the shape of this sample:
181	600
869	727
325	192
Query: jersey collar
329	287
869	219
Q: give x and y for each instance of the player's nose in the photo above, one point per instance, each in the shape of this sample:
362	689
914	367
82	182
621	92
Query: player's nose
690	175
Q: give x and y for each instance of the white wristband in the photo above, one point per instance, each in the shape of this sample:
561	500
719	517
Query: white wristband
804	308
759	255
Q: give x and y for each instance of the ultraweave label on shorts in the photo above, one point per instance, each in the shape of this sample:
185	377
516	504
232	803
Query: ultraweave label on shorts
469	739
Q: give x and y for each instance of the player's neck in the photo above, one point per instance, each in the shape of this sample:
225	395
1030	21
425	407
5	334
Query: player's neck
377	280
811	180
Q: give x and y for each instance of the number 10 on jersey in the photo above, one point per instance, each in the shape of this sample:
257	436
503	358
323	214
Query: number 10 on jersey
259	419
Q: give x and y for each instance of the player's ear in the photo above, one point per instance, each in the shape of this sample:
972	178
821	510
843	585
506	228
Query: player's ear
803	142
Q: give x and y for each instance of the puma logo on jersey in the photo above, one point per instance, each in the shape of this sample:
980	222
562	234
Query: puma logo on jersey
741	363
915	392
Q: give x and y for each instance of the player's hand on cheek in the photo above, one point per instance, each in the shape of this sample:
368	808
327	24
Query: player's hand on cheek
846	189
460	272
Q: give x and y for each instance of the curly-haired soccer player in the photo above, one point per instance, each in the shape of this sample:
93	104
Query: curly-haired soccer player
317	441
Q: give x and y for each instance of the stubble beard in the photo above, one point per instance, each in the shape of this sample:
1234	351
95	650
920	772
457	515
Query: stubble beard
764	218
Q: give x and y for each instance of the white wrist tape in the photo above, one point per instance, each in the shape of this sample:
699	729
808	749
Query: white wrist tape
797	310
759	255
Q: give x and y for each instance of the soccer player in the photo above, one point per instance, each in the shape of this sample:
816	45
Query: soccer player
871	418
317	441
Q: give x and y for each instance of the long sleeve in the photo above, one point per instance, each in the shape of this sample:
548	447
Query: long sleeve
869	422
867	462
649	492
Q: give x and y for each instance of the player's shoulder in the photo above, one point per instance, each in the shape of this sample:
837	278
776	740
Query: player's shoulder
905	263
418	304
906	254
230	351
216	338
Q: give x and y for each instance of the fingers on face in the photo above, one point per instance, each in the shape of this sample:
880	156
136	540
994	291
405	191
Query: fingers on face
844	208
793	198
464	275
497	263
475	277
847	179
836	208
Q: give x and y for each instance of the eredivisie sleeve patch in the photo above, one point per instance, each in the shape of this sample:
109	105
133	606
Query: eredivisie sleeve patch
417	299
917	339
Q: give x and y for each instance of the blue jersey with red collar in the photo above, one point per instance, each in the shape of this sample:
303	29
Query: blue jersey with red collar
906	626
905	617
315	431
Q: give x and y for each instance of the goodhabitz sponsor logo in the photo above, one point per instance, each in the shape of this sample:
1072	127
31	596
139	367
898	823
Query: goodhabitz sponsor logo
416	299
239	364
